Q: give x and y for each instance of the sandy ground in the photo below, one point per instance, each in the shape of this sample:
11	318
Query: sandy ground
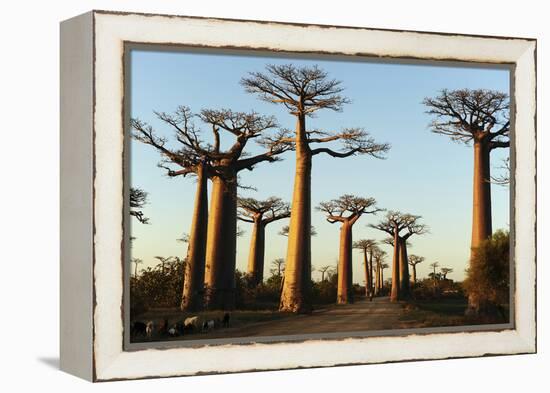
363	315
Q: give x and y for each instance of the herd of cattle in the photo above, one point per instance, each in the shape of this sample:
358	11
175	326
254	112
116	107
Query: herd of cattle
152	329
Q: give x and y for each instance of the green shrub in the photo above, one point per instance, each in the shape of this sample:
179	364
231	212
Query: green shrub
488	275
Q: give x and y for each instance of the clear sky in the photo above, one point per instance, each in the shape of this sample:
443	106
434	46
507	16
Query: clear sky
424	173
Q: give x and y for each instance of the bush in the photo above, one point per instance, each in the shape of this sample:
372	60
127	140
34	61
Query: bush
157	287
488	276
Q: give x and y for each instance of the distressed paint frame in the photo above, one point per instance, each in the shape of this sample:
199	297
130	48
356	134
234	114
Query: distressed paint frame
112	31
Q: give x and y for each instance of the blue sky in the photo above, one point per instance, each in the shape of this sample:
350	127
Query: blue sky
424	173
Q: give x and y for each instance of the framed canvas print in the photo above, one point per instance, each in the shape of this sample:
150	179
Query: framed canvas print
247	195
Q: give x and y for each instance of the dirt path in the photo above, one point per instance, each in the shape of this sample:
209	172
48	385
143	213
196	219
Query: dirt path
362	315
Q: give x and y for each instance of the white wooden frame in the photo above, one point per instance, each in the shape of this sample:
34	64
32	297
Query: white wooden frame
92	143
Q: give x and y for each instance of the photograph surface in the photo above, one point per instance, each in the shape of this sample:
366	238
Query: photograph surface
274	195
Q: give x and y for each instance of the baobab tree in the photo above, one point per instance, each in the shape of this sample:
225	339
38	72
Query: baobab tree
445	271
136	262
221	244
324	270
192	157
260	214
413	261
278	266
208	161
366	246
434	266
346	210
138	199
480	117
303	91
379	256
393	224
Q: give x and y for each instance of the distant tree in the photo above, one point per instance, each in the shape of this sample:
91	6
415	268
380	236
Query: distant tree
480	117
323	270
303	91
445	271
367	247
138	199
393	224
136	262
413	261
487	280
260	214
379	257
346	210
278	266
434	266
163	262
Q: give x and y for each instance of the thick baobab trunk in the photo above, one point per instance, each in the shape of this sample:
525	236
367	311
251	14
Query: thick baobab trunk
395	269
221	244
481	221
404	285
367	270
481	214
345	284
193	284
295	296
256	254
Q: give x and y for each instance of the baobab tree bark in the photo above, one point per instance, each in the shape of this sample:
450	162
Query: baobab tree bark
414	274
481	220
295	296
221	245
193	284
395	284
404	279
257	251
345	284
367	271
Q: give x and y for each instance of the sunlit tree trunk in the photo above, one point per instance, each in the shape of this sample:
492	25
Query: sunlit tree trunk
404	279
345	285
367	270
481	222
295	296
221	244
193	284
256	253
395	269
